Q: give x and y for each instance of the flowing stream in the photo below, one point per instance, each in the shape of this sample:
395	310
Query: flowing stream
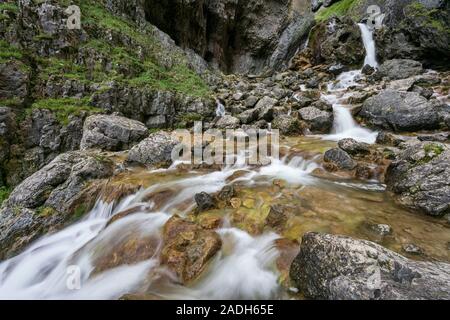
338	92
251	264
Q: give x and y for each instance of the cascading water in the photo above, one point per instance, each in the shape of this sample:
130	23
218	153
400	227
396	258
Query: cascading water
244	271
344	125
220	109
369	45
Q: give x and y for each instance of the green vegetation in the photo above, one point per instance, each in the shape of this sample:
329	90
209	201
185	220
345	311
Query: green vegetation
45	211
65	107
433	148
427	17
146	69
9	6
338	9
9	52
4	194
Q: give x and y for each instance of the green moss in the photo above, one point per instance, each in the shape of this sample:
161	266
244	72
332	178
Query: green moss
9	6
45	211
433	148
426	17
338	9
79	212
13	102
65	107
9	52
4	194
151	73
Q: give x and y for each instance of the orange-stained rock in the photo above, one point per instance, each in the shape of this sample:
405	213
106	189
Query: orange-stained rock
188	248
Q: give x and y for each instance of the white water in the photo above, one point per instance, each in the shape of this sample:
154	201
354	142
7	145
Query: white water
369	45
244	269
220	110
344	125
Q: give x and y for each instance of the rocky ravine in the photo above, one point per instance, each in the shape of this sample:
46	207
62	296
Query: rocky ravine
81	109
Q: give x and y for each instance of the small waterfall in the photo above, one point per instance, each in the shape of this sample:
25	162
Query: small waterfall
369	45
220	110
344	124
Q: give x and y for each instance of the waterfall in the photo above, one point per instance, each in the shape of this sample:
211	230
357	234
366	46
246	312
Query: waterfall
344	125
220	110
369	45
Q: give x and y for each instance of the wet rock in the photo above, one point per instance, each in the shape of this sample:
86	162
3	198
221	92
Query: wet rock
412	249
339	158
401	111
341	268
188	248
204	201
388	138
226	194
318	120
368	70
113	133
50	197
131	249
154	150
400	69
419	178
279	215
353	147
228	122
381	229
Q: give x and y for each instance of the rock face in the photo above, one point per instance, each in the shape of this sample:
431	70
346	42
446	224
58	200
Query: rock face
400	69
155	150
337	41
111	133
340	159
420	178
415	30
402	111
236	35
188	248
340	268
14	81
49	197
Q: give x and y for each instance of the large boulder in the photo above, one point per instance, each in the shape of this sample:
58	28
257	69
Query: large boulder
288	125
113	133
155	150
337	41
341	268
402	111
318	120
353	147
49	198
228	122
420	178
188	248
400	69
415	30
339	158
